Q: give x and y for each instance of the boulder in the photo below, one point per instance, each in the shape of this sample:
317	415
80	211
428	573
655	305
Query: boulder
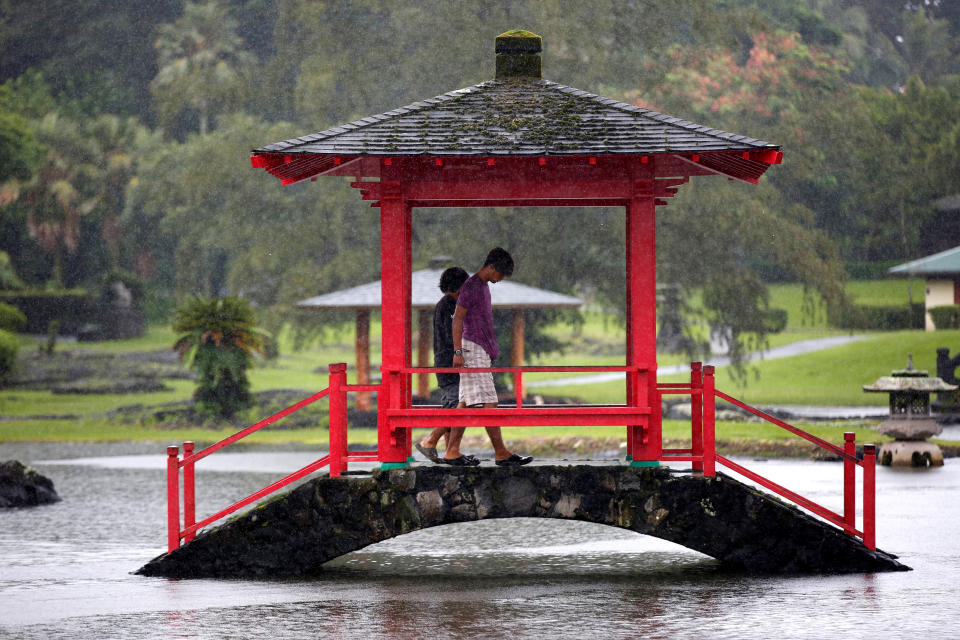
22	486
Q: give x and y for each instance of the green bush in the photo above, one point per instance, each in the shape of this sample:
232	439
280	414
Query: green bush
11	318
946	317
217	337
775	320
9	346
869	270
879	318
72	308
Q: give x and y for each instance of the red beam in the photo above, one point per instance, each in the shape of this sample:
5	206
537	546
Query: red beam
523	417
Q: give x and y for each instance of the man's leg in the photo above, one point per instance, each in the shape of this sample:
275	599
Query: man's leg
453	443
500	451
432	440
448	400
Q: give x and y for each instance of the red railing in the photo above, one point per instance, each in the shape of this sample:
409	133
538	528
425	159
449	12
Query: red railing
337	459
702	453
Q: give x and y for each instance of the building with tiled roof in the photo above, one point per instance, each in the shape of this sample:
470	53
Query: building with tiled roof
941	271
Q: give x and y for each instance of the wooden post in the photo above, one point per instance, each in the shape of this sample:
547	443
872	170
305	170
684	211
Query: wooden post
696	413
338	419
518	327
173	498
709	423
363	358
395	287
424	333
870	496
850	479
646	441
189	492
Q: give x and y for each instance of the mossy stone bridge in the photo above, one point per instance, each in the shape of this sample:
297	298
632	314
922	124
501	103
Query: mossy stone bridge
295	533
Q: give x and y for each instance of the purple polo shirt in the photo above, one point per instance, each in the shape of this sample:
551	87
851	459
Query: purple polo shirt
478	323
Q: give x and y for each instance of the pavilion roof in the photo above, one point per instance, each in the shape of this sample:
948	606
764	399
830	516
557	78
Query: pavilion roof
943	263
517	118
519	115
426	292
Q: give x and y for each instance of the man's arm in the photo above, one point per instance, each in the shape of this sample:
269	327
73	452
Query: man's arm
458	317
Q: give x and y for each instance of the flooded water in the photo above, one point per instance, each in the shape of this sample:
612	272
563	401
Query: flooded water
65	569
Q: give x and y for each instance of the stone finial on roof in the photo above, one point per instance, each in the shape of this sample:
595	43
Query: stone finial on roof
518	55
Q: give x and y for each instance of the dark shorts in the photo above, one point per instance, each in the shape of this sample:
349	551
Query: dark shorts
450	396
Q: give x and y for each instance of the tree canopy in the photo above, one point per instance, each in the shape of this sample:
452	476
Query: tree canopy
125	129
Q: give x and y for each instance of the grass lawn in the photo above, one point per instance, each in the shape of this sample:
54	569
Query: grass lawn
829	377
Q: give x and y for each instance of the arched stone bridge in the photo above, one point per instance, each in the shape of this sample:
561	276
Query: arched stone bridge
296	532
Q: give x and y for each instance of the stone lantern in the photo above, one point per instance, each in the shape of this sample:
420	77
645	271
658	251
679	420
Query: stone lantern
910	422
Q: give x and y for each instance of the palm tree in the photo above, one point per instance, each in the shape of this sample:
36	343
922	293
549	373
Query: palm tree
61	190
217	338
117	142
199	57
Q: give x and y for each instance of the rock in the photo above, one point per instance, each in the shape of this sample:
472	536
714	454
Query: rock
22	486
917	429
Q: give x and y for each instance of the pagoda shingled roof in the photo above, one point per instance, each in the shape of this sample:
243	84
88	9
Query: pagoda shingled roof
524	117
517	118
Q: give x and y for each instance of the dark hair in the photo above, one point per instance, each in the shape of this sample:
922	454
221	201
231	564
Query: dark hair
452	279
500	260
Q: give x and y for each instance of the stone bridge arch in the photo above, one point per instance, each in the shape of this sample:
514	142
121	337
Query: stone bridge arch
296	532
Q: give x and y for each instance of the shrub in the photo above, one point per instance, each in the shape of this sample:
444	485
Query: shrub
879	318
11	318
8	275
9	346
775	320
217	339
945	317
72	308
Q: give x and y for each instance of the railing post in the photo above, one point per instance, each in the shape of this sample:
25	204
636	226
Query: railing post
173	498
338	419
189	492
709	426
869	496
850	479
518	386
696	413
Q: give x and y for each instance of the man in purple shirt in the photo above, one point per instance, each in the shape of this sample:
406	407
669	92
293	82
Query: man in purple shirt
475	345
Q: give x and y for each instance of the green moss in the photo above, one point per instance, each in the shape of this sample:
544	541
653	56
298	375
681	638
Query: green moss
518	41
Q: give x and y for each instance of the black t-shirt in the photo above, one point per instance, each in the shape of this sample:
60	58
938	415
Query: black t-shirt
443	339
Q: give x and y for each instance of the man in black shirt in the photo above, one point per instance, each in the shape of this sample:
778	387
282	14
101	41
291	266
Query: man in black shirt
450	282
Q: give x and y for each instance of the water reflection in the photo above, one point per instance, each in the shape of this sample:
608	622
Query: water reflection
66	570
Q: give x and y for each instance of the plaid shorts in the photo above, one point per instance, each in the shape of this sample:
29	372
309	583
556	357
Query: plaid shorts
476	388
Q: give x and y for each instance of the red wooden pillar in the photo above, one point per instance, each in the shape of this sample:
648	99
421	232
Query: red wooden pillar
393	444
644	442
